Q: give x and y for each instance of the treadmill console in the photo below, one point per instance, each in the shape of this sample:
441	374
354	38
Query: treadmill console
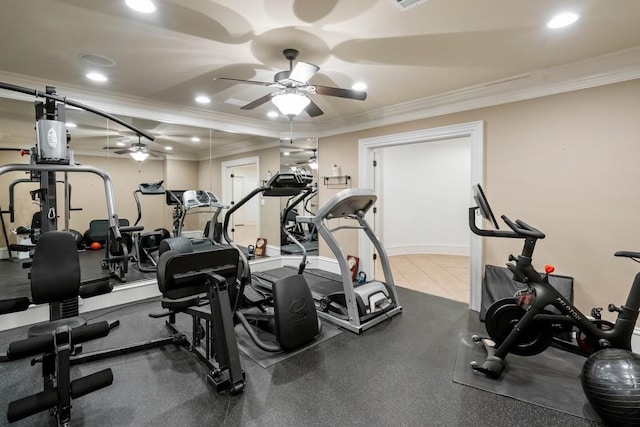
289	179
199	199
151	187
287	184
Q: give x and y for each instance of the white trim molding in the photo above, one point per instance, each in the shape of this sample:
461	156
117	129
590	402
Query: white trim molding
366	171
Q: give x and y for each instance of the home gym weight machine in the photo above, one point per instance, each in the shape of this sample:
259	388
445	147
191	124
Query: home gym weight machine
34	230
522	325
181	279
55	275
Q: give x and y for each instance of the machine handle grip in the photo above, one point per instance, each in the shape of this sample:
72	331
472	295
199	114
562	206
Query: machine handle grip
522	228
488	233
131	228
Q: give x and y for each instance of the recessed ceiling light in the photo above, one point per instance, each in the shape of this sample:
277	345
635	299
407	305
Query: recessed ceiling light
71	125
121	144
563	20
286	153
359	86
201	99
142	6
168	147
272	114
97	77
195	139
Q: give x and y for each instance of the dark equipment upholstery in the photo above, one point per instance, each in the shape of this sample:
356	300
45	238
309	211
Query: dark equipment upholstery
55	270
197	283
55	278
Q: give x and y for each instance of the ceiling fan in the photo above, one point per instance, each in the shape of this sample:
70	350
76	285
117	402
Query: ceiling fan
138	150
295	82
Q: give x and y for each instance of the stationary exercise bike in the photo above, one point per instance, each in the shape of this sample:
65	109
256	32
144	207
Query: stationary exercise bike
523	325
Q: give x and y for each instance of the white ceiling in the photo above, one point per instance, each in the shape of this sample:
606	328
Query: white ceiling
414	61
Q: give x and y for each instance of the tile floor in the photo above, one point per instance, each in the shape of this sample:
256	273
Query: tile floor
445	276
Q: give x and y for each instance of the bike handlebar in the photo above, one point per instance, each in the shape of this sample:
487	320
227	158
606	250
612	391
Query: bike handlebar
521	229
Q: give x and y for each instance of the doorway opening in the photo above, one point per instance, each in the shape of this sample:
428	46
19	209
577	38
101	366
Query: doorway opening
369	147
240	177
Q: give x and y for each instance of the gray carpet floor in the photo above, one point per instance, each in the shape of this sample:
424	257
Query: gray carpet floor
399	373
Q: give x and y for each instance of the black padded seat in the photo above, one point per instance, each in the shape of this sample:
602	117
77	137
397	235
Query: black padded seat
55	277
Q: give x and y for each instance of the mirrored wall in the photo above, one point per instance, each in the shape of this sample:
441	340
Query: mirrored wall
182	157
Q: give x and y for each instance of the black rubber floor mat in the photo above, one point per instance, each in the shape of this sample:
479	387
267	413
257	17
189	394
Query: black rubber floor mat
550	379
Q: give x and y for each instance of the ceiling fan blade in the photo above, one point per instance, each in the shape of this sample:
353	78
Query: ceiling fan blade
125	151
251	82
313	110
342	93
303	71
258	102
156	153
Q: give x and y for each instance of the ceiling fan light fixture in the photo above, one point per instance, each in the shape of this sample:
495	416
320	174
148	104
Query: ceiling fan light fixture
359	86
290	103
142	6
139	156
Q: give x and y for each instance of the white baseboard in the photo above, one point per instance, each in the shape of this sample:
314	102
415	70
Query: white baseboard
4	253
635	341
427	249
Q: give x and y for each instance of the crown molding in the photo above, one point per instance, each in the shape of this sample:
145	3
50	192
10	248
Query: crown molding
124	105
598	71
606	69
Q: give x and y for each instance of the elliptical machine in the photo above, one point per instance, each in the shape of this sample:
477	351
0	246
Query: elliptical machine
289	313
522	325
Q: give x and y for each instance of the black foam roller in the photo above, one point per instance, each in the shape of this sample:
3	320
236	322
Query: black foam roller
90	332
30	347
97	288
91	383
13	305
31	405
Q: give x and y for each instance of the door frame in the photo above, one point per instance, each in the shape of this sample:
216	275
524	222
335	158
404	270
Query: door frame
366	179
227	193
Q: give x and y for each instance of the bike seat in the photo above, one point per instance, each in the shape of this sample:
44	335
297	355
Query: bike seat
627	254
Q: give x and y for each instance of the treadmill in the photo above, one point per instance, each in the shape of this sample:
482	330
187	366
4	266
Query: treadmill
353	306
188	202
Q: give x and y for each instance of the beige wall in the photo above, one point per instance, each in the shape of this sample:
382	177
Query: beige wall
566	164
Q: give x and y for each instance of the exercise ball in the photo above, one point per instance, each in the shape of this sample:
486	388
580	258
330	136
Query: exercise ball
611	382
78	238
95	246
